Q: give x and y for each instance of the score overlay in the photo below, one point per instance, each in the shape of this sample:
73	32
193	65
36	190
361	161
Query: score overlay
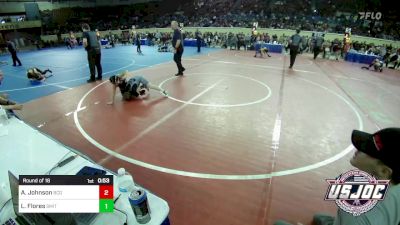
65	194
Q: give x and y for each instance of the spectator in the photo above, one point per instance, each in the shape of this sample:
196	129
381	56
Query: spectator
336	48
6	103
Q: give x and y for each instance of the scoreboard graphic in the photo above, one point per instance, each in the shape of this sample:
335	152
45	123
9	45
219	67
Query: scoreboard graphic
65	194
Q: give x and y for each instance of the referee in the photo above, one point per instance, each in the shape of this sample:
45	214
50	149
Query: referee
92	46
198	39
178	47
13	51
318	45
294	43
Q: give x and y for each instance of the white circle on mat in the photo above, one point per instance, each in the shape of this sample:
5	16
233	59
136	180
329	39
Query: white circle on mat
221	105
221	176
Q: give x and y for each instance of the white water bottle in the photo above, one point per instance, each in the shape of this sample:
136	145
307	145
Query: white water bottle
125	181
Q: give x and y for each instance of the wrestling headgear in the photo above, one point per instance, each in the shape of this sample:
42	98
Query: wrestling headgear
142	91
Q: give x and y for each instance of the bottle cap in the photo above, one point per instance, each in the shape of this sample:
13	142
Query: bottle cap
121	171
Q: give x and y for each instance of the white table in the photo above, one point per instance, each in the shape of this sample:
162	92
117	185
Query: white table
26	151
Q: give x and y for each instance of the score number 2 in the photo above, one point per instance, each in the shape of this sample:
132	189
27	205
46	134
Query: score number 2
106	192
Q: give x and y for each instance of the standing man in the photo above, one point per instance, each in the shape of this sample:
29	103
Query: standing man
198	38
294	43
177	44
93	49
319	40
136	39
13	51
138	43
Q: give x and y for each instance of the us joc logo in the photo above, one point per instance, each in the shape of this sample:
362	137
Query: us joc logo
356	192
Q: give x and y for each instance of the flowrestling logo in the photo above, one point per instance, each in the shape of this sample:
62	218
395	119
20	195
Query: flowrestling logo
370	15
356	192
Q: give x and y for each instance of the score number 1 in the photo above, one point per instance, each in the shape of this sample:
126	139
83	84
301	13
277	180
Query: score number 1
106	203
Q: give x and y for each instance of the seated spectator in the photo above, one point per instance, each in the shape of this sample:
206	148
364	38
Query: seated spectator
370	51
326	49
378	155
36	74
67	42
165	47
386	55
6	103
336	48
274	39
241	42
393	58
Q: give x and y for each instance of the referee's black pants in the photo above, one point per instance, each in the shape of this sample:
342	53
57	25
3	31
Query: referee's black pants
178	61
15	59
94	60
293	53
317	50
198	45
